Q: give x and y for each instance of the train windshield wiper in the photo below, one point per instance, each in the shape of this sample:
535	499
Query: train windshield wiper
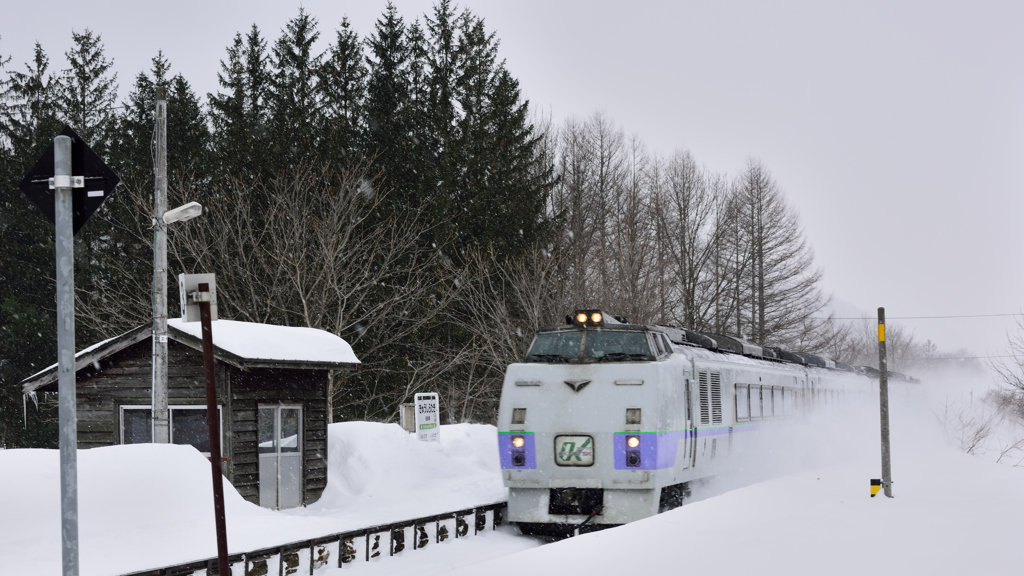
549	357
623	356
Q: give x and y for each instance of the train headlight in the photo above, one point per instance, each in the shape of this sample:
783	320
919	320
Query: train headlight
633	452
518	441
596	317
581	318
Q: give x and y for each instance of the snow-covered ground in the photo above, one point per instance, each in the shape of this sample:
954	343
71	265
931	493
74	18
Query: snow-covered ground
147	506
802	508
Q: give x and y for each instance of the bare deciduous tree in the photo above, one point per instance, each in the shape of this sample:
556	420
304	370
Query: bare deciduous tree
305	249
1011	370
501	305
779	293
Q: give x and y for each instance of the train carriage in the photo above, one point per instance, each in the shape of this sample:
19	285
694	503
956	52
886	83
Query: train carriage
605	422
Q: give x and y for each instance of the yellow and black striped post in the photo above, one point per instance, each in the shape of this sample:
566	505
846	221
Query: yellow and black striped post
883	398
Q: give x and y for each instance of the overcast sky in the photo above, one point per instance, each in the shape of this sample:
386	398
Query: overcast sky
895	128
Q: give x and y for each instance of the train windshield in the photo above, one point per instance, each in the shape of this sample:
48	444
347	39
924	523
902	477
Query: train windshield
606	345
590	346
555	347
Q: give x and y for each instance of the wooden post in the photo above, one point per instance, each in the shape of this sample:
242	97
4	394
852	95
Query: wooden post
214	426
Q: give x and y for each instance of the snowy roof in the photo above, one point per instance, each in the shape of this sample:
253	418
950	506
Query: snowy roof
251	341
242	344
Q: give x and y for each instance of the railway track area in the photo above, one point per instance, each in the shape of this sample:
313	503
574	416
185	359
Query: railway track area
375	543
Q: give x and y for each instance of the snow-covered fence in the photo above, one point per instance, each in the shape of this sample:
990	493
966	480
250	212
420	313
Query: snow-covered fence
365	544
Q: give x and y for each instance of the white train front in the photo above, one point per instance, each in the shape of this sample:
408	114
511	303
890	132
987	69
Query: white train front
604	423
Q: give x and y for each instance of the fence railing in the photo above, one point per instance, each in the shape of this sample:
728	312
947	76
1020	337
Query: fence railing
363	544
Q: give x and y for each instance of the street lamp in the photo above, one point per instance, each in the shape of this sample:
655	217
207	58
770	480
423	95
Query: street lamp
183	213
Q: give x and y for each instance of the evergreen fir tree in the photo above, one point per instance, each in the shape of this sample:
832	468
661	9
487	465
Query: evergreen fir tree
239	116
389	137
88	94
442	164
341	81
132	154
294	107
27	317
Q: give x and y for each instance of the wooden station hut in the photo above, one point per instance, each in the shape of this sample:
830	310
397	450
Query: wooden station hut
272	384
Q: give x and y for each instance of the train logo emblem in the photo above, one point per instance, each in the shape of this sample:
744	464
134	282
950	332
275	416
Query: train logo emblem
574	450
577	385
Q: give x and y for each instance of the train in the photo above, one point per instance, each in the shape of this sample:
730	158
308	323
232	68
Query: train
604	422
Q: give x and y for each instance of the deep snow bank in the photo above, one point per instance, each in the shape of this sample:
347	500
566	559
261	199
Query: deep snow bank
802	507
379	470
146	505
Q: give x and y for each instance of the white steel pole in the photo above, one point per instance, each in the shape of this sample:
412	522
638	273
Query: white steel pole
64	223
161	429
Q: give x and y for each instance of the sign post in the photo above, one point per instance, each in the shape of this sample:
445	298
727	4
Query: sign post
68	183
200	292
427	426
66	392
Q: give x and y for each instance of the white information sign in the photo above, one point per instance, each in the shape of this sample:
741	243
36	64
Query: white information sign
427	425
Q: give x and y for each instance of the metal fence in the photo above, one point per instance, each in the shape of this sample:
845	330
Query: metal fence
364	544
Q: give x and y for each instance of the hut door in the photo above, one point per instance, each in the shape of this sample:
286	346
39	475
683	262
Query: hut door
280	447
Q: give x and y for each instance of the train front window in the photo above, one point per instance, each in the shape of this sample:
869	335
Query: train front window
555	347
607	345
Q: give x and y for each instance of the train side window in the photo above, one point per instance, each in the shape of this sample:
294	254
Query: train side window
755	402
742	402
658	345
689	409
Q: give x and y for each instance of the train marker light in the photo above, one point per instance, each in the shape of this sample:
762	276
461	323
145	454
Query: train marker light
876	485
518	441
632	414
633	441
591	318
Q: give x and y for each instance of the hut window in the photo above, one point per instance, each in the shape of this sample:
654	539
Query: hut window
188	426
136	425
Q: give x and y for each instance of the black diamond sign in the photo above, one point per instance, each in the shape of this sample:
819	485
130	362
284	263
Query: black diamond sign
100	181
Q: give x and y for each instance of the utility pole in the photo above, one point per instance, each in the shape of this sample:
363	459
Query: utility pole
161	428
66	392
883	394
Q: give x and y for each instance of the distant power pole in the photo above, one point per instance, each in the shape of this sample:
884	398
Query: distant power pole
883	394
161	428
